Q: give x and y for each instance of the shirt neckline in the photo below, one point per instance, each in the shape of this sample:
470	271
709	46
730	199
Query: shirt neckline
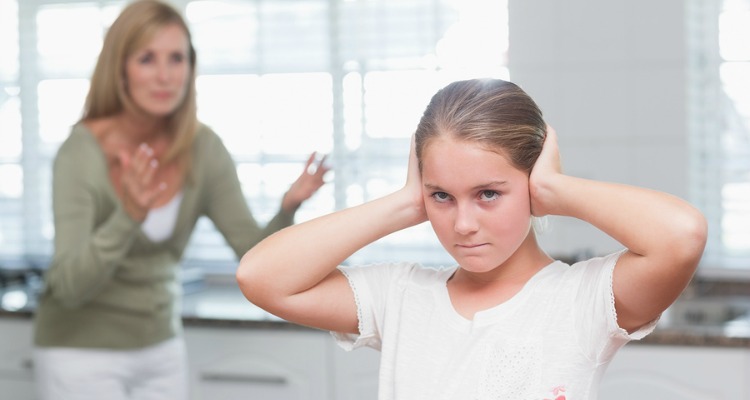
490	315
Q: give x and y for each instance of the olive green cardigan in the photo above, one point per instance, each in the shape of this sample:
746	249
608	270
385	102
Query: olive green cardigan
108	285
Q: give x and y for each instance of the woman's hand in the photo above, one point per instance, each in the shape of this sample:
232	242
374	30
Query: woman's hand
546	170
138	188
306	184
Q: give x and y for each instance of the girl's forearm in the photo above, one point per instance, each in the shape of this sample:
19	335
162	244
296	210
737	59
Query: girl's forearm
645	221
297	258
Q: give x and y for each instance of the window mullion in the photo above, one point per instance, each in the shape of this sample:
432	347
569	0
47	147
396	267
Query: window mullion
31	157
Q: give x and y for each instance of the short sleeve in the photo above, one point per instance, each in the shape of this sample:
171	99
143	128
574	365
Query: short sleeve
373	286
597	316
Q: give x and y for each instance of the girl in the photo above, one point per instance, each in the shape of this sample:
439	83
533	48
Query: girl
507	322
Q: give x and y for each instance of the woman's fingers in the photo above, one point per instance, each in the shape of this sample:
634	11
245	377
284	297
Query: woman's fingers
307	184
137	181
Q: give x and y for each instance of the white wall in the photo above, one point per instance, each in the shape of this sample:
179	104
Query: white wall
611	78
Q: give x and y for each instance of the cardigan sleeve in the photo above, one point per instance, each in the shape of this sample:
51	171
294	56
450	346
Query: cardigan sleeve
92	234
226	205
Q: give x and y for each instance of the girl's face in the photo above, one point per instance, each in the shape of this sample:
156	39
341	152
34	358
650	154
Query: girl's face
477	202
157	74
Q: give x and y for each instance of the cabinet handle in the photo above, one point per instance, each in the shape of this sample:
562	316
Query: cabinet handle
27	363
229	377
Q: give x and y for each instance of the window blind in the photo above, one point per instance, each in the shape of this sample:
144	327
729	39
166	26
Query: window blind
276	80
720	126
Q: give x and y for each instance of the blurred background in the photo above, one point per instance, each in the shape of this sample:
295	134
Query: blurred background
656	95
650	93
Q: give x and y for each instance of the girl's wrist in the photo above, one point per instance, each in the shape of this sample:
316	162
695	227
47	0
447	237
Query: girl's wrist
548	195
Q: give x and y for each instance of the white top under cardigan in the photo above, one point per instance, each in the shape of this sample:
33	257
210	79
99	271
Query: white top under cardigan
552	340
160	221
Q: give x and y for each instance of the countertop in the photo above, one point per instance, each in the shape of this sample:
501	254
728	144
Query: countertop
219	303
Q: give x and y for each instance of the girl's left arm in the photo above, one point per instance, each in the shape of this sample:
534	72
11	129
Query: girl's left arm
665	236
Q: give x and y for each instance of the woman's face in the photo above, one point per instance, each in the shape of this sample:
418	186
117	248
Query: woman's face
157	74
477	202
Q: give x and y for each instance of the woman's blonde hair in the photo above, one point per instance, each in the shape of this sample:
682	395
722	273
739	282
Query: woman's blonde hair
136	25
496	114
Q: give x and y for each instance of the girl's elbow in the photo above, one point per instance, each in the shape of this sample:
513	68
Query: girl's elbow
693	237
242	275
248	279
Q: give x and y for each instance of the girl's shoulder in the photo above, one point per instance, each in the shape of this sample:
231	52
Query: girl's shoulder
593	273
405	273
432	274
605	262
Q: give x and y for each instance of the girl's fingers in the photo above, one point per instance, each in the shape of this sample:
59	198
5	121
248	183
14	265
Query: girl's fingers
550	151
413	175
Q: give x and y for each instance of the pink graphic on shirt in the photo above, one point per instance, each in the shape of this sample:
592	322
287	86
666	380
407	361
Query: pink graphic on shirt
558	393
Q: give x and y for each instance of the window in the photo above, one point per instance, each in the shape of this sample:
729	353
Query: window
276	80
721	126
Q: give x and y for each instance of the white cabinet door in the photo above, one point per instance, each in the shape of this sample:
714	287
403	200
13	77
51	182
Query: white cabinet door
247	364
355	373
16	374
657	372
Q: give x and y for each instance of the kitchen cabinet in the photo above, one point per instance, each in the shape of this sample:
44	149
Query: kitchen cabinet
258	363
16	374
355	373
231	363
282	364
661	372
236	363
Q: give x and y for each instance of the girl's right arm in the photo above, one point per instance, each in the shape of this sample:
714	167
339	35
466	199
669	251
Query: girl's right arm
293	273
664	235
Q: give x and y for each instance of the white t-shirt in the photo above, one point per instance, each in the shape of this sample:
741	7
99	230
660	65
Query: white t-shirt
552	340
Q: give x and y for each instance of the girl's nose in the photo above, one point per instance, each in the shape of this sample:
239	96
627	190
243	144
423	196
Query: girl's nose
466	220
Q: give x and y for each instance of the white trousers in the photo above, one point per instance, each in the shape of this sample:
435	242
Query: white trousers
158	372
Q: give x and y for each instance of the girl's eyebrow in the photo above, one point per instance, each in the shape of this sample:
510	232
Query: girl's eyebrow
492	184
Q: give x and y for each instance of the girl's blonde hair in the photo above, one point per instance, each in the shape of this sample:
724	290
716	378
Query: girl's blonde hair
496	114
136	25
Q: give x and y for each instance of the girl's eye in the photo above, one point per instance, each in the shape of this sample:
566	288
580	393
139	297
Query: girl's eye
441	197
489	195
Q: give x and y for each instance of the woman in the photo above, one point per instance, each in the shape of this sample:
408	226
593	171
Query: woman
508	321
130	182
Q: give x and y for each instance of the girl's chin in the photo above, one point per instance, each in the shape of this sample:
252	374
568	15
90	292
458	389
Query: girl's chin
477	266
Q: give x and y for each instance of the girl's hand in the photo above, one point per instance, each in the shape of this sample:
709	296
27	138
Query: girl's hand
139	190
306	184
413	186
546	170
